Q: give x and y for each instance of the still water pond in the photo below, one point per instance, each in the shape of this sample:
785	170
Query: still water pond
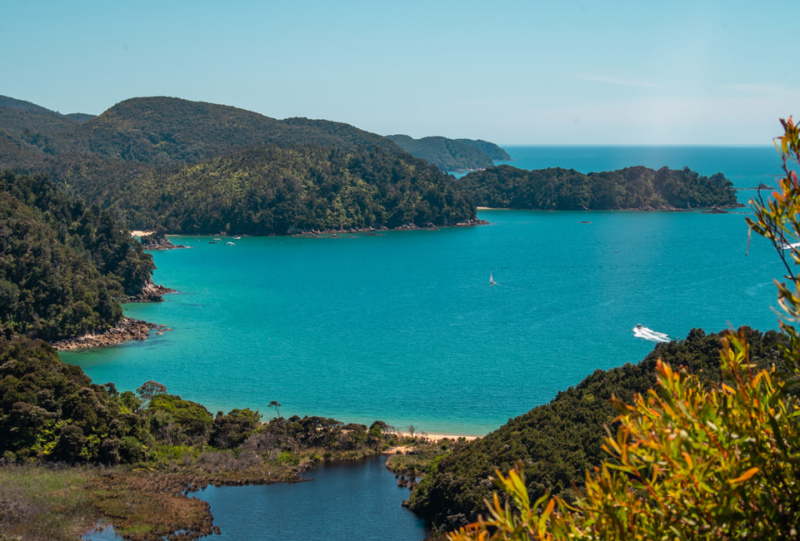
344	501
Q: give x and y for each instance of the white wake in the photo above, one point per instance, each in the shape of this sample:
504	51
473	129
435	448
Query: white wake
650	334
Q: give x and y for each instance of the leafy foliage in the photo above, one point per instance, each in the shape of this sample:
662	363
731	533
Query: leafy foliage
51	411
566	189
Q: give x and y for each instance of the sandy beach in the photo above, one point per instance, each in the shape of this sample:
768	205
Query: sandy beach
138	233
438	437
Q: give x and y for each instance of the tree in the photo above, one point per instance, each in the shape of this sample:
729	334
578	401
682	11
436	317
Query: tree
149	389
692	460
276	405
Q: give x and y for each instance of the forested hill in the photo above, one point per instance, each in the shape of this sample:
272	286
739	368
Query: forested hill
559	441
271	190
566	189
169	131
490	149
447	154
197	167
62	265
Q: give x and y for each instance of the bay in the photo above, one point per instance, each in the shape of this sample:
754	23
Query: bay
405	327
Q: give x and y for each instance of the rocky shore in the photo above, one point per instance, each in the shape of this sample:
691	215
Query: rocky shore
126	329
374	230
150	293
156	242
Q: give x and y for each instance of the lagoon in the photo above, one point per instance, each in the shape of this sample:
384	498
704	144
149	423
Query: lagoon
344	501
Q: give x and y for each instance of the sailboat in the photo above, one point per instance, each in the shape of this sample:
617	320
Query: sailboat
491	280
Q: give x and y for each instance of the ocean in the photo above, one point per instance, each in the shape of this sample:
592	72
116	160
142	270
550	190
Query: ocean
405	327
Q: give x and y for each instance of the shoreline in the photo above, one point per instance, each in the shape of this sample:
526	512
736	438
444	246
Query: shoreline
704	210
125	330
380	230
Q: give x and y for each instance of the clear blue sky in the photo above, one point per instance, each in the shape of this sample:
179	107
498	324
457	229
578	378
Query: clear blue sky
527	72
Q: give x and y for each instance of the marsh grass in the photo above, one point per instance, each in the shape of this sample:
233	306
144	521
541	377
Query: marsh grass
45	502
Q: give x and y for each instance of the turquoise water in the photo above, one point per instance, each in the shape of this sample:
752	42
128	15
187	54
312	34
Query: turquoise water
405	327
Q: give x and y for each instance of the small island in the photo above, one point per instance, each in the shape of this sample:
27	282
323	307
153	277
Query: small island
632	188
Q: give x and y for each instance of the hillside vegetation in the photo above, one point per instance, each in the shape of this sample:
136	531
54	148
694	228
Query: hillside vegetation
490	149
638	187
168	131
62	265
271	190
194	167
446	154
559	441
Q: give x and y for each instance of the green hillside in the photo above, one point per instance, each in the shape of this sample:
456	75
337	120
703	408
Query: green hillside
490	149
446	154
170	130
566	189
62	265
271	190
80	117
559	441
196	167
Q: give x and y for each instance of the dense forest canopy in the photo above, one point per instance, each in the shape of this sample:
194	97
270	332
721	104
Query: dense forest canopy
490	149
169	131
637	187
559	441
195	167
62	265
271	190
446	154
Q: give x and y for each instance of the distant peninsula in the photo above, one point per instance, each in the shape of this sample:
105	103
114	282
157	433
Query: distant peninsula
452	154
632	188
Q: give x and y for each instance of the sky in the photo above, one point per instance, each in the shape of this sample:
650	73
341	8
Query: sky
512	72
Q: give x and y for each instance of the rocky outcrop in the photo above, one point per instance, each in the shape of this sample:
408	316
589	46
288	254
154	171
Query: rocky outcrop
150	293
158	242
126	329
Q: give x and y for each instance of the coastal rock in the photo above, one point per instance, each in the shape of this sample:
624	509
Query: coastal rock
373	231
126	329
150	293
158	242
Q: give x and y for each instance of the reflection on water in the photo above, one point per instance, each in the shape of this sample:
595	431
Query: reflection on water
343	502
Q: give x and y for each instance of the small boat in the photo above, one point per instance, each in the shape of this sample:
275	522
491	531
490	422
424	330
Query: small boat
212	242
491	280
229	243
236	238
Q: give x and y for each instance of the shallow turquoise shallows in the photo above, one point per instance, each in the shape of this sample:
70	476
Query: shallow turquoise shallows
406	328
